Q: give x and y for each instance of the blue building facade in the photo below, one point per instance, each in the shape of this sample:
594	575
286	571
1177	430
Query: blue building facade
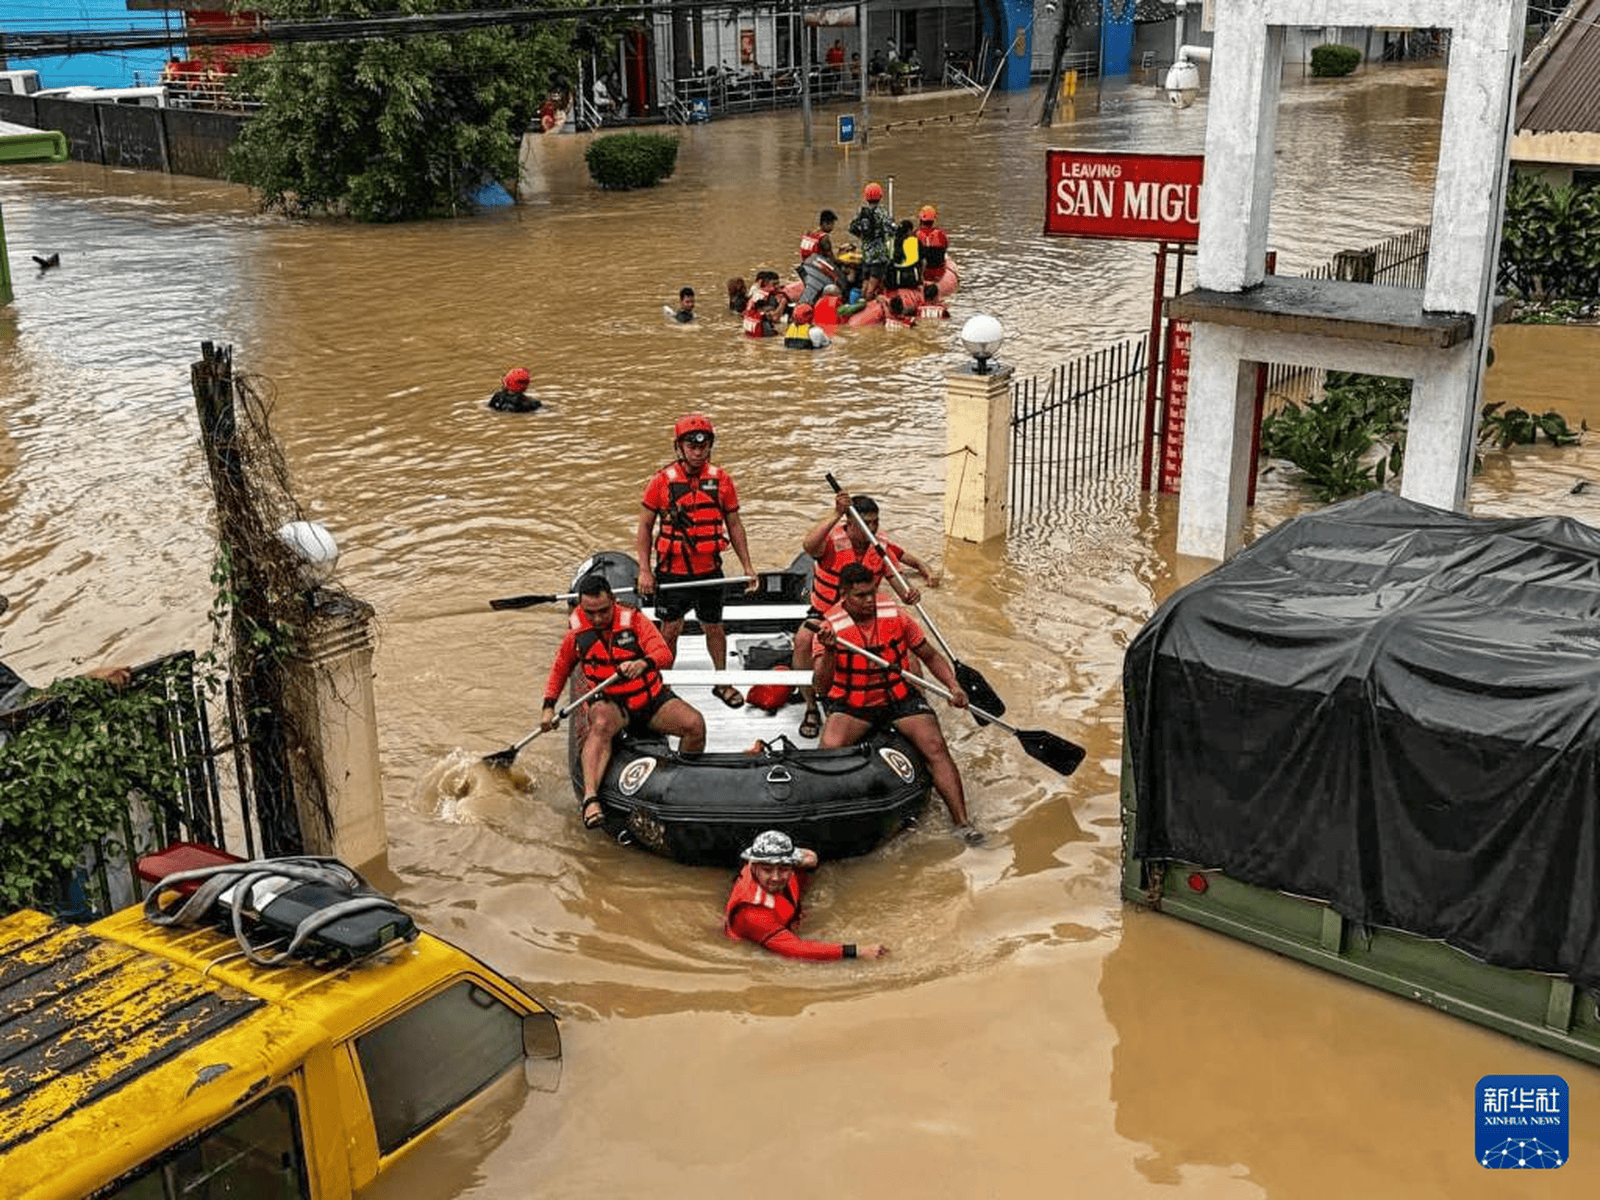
122	68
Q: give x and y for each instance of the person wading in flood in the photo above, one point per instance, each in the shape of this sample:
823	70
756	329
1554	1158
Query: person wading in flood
863	696
764	905
690	511
605	638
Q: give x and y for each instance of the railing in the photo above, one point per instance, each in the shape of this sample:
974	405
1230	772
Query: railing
1399	261
182	797
1085	424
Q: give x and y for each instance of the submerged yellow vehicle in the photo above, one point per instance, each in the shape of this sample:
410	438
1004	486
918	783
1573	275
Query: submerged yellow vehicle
141	1062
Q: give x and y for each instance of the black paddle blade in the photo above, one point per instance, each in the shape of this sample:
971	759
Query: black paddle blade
502	758
979	693
521	601
1054	752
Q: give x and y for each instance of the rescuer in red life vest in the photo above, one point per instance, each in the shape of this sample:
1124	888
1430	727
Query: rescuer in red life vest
764	905
689	513
834	542
605	638
934	241
863	696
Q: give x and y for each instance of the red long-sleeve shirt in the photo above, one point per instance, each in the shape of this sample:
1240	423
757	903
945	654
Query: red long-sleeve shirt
765	918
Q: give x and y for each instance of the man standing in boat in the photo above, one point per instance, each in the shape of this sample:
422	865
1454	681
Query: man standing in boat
874	228
863	696
606	639
690	512
764	905
835	542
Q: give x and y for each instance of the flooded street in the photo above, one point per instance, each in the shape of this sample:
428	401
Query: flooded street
1029	1034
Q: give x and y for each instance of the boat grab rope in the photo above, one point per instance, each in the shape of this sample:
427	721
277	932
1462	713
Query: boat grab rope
236	885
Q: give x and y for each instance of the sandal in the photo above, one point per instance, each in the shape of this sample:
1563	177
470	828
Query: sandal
811	723
728	694
592	813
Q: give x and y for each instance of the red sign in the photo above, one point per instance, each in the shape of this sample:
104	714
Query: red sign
1179	335
1106	194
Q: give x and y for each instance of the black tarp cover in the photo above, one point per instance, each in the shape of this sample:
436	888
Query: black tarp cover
1394	709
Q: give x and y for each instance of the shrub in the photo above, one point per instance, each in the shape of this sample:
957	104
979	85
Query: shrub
1329	438
631	160
1504	427
1331	59
1550	241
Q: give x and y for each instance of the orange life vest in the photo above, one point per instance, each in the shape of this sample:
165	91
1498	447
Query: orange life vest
839	552
602	651
746	891
857	682
693	523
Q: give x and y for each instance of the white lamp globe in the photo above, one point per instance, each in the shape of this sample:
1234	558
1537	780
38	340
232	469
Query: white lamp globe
319	553
982	336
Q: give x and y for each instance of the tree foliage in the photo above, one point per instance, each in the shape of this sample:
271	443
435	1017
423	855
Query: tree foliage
1550	243
391	129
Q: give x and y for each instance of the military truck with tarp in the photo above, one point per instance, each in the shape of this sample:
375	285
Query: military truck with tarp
1371	742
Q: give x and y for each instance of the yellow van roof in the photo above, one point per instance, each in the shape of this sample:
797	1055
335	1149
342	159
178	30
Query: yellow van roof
122	1038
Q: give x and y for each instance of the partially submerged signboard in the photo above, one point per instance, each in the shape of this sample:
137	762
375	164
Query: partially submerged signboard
1385	717
1109	194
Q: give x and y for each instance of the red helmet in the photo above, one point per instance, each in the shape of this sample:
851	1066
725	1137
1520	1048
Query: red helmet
873	191
693	423
928	214
802	313
516	380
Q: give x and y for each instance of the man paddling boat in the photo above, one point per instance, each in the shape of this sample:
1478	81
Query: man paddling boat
862	695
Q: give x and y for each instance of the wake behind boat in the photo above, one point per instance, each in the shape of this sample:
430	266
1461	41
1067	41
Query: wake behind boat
757	772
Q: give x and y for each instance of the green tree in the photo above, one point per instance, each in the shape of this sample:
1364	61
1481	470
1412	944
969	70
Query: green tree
391	129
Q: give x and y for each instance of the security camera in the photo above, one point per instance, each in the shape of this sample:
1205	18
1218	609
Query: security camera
1182	84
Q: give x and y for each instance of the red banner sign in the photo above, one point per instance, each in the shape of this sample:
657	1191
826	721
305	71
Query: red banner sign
1106	194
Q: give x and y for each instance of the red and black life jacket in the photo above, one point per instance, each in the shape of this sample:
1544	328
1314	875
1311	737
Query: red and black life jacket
811	243
934	244
747	892
693	523
858	682
602	651
838	552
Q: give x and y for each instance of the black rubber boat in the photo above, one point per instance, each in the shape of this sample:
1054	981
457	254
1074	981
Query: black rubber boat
757	772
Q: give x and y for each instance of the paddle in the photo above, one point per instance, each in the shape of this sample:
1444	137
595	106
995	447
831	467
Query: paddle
504	758
975	685
1054	752
538	598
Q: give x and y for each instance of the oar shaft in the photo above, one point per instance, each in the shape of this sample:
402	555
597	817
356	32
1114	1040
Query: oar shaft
540	598
938	689
569	709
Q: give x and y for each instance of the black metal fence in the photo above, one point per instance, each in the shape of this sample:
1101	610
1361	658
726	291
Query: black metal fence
1083	423
1400	261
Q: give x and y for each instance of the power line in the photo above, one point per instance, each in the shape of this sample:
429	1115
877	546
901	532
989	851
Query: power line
63	42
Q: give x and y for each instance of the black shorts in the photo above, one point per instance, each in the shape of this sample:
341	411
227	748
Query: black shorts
875	270
706	601
884	714
638	719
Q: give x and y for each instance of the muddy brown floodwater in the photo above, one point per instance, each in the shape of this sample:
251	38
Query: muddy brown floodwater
1029	1035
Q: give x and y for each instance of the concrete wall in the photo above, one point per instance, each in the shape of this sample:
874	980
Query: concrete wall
179	141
